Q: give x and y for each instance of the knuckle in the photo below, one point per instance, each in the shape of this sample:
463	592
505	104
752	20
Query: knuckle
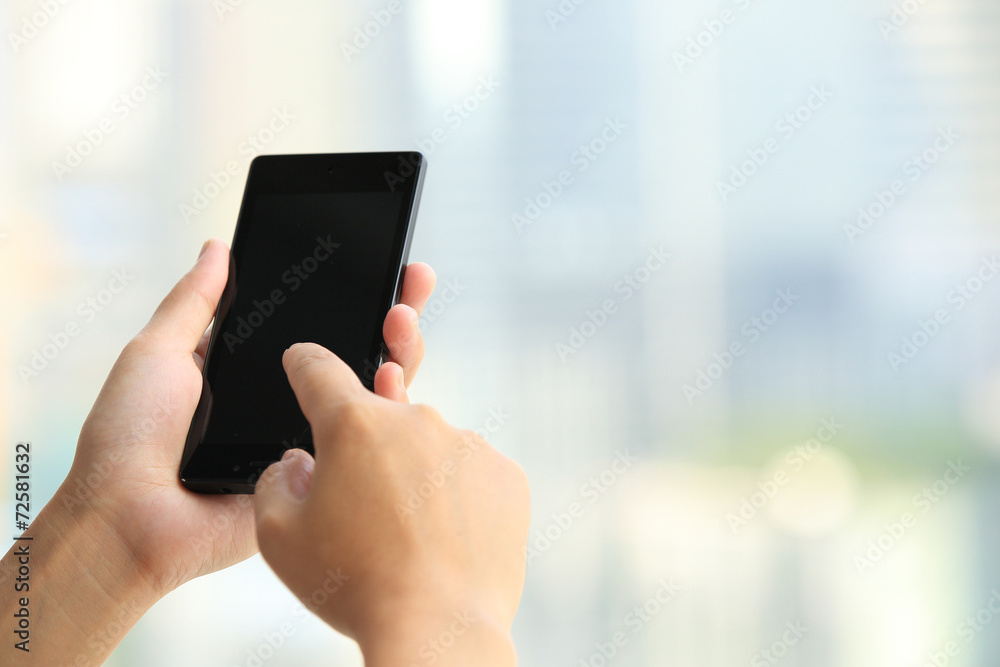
141	342
427	415
357	416
476	440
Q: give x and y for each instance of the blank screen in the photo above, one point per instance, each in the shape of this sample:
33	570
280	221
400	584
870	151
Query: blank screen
309	268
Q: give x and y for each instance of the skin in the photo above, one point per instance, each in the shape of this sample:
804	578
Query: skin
121	532
438	584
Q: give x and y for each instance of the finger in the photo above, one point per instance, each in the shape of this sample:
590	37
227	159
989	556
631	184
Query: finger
418	284
321	382
184	314
389	383
283	485
401	331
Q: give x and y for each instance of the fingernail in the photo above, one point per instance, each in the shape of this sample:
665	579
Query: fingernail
204	247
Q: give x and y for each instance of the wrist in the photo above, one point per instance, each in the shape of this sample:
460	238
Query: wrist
460	635
82	587
86	536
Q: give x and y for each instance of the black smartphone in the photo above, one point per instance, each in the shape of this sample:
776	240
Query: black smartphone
318	256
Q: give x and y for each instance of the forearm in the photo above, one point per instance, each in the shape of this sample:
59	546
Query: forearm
79	585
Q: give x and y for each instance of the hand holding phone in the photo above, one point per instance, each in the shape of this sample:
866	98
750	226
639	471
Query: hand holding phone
128	532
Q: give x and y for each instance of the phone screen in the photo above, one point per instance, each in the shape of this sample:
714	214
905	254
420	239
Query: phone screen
317	259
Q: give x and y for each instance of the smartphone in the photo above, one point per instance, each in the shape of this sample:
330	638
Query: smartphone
318	256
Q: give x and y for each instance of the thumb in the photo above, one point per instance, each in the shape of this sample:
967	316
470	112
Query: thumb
181	319
284	484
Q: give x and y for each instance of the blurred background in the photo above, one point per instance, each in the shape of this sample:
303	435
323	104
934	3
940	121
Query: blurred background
720	271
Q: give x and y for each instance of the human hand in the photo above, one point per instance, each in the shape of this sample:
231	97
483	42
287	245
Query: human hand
121	531
455	567
135	433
